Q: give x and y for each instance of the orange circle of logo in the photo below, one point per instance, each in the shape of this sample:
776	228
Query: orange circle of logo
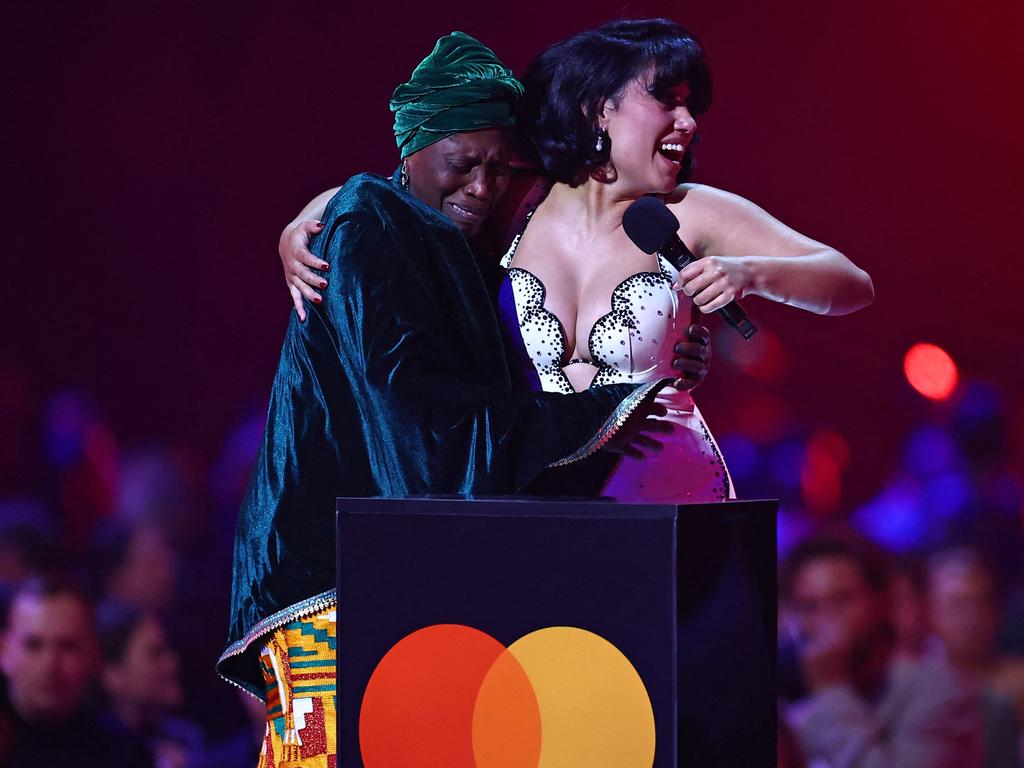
452	696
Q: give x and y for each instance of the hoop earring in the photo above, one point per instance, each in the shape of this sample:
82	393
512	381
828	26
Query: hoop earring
403	175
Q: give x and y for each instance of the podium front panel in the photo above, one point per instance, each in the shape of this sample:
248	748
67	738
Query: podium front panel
513	569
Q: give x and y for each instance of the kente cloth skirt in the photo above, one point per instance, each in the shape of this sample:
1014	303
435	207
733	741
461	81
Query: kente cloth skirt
298	663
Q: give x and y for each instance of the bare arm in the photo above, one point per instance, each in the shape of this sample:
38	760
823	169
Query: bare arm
296	260
746	251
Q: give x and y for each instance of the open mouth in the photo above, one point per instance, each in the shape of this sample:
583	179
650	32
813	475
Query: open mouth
672	152
465	213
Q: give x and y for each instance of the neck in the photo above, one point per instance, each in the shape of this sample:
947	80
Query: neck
872	667
135	718
598	204
39	719
977	667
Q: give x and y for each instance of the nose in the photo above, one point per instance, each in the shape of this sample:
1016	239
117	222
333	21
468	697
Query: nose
684	120
481	185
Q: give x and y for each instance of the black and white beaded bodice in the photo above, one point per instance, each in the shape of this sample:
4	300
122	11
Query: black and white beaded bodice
630	343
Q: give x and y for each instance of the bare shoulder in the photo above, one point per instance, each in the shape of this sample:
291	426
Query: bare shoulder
726	224
691	197
706	213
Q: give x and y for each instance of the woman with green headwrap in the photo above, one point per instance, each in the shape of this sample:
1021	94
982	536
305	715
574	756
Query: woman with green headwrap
396	385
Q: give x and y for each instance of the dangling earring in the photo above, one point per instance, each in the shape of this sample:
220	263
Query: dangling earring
403	175
603	170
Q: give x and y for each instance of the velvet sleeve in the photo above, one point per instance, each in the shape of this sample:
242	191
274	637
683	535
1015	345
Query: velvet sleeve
432	423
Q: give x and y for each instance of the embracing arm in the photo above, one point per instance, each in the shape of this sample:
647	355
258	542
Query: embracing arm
438	412
746	251
296	260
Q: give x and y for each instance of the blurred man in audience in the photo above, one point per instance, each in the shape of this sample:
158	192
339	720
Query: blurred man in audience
909	611
141	678
965	617
862	708
49	658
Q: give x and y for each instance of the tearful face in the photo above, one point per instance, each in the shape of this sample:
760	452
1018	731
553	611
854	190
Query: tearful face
463	175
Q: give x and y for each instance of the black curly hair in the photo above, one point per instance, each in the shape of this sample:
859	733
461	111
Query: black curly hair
566	84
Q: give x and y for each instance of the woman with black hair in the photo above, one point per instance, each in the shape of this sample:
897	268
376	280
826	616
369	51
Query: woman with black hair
609	117
609	114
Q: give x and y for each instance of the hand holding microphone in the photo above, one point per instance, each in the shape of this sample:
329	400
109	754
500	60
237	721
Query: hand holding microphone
652	227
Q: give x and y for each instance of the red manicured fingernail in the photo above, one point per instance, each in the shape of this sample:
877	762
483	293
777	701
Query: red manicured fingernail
324	267
317	300
323	284
319	224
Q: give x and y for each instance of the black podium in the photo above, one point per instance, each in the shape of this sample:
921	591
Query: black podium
678	603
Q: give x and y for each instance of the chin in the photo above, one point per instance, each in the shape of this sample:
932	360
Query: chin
655	184
469	230
667	184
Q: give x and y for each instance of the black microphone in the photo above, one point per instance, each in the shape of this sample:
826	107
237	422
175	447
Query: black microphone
652	227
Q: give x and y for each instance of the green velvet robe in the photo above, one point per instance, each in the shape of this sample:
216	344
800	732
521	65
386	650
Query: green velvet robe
396	386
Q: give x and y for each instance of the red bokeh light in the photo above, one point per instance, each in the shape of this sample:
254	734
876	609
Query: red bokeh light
931	371
821	484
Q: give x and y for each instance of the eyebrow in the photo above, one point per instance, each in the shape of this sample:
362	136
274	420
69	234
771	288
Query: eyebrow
667	87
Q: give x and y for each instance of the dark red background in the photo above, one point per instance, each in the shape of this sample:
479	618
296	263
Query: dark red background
153	152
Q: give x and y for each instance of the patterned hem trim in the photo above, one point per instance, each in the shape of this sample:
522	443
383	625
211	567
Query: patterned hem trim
298	610
612	424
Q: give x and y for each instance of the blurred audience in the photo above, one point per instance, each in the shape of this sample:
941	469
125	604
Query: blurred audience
164	552
964	609
861	707
137	565
49	657
954	486
24	551
789	752
20	470
896	663
909	609
242	748
141	679
82	456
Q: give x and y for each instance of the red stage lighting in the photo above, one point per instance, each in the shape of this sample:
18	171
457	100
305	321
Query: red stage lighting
821	479
931	371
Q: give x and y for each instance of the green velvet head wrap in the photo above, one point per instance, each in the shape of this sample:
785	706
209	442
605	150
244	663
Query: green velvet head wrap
461	86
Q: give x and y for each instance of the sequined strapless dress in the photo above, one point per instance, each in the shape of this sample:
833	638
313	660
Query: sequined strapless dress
631	343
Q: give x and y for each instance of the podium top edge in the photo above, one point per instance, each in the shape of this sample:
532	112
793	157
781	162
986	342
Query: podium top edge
522	506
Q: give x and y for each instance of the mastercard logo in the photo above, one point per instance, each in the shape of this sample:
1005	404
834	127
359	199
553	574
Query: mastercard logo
451	696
